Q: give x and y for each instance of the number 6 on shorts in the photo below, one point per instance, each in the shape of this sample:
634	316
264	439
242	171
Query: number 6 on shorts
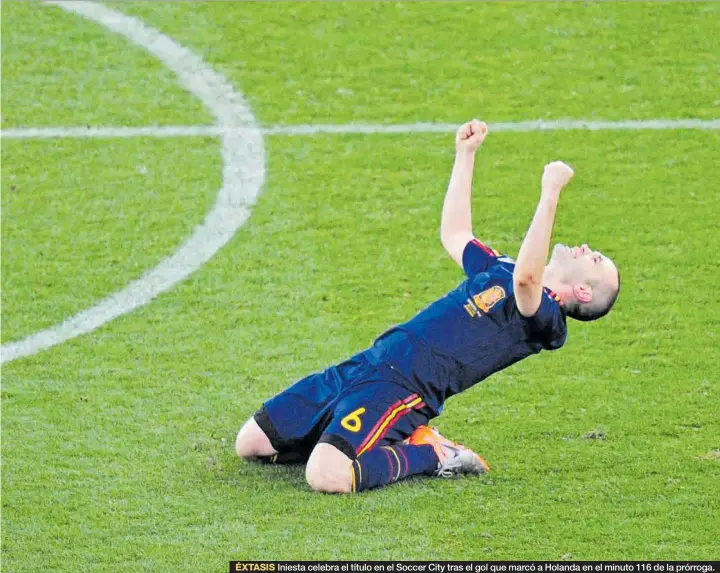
352	421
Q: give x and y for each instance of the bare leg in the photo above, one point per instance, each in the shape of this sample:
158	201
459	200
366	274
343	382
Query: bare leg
251	442
329	470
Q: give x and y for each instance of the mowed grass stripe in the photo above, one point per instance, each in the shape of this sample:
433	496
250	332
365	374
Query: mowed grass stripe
60	69
337	63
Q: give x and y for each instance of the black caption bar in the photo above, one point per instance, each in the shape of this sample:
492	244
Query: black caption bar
475	566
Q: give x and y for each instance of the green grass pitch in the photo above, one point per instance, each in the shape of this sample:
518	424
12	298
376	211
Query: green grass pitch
117	445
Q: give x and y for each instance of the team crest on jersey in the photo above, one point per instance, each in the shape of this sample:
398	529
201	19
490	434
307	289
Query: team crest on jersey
489	298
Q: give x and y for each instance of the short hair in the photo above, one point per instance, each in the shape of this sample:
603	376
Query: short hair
594	309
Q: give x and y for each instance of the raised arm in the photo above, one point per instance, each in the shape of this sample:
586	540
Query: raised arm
530	265
456	223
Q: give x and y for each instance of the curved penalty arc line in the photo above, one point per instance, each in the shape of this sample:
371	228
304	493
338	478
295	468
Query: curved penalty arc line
243	155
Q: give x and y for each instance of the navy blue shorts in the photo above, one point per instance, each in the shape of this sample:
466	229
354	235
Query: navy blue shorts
355	406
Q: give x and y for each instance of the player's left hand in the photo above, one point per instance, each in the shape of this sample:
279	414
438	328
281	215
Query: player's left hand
470	135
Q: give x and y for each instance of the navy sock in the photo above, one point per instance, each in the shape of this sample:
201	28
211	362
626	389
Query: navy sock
388	464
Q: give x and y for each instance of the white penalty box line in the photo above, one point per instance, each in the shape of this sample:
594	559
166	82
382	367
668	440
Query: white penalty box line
351	128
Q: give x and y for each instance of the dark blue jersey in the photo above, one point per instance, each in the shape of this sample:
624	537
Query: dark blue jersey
470	333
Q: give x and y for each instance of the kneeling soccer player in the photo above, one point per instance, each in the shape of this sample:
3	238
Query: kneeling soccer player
363	423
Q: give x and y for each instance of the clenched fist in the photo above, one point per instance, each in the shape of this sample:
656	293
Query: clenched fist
470	135
556	175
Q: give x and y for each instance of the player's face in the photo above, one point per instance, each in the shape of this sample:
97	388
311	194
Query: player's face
582	265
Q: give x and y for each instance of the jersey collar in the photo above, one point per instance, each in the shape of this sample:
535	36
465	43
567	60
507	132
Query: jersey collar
554	296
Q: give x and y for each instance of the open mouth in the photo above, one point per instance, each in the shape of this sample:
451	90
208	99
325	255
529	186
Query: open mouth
576	252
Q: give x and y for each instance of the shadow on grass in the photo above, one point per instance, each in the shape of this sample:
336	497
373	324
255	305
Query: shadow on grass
256	474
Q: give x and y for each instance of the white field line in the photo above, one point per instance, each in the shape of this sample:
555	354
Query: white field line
243	171
243	156
350	128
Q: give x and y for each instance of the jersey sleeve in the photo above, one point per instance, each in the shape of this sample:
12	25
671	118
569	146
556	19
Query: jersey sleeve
478	257
548	323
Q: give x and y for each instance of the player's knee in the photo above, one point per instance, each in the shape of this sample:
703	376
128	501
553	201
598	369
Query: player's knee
243	446
329	470
251	441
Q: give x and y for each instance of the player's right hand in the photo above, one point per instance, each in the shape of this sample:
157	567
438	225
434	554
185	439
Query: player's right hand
556	175
470	135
